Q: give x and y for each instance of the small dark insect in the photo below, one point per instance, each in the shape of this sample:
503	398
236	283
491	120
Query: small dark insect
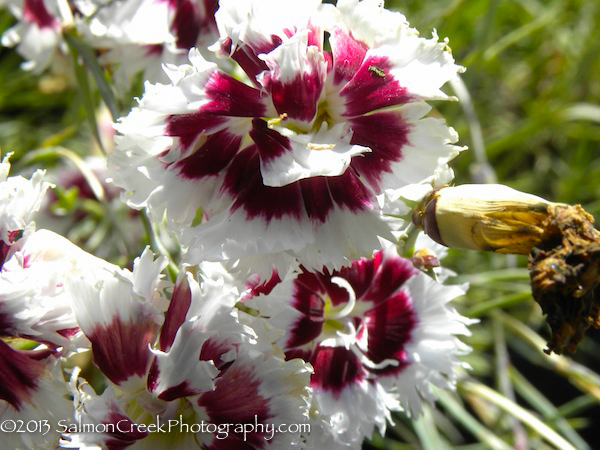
377	71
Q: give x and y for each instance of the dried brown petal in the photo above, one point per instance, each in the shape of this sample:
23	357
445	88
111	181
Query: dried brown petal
565	274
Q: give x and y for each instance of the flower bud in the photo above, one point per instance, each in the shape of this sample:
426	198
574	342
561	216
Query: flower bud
425	259
487	217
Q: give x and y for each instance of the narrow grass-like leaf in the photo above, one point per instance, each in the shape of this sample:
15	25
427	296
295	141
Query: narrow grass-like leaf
582	377
544	407
91	62
517	411
478	430
519	34
498	302
577	405
487	277
86	93
583	111
49	153
427	431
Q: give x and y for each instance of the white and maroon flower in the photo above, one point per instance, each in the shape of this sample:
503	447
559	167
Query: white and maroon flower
141	35
191	362
36	266
378	333
292	161
35	299
32	392
37	36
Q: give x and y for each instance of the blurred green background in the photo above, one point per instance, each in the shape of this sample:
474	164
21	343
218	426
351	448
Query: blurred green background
530	114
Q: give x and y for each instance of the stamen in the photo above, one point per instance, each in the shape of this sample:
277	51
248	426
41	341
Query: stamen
272	123
312	146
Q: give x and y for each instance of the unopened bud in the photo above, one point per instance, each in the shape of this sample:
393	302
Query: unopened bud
487	217
425	259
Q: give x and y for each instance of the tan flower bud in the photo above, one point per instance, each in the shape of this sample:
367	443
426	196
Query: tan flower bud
561	241
487	217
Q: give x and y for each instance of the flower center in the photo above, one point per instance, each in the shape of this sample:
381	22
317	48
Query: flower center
338	319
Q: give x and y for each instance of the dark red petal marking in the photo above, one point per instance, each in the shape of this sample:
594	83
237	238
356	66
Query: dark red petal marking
69	333
153	375
243	182
329	60
186	23
210	8
19	374
230	97
212	157
6	324
121	349
297	98
307	298
377	279
349	192
389	277
154	49
348	55
226	97
246	55
257	288
298	353
187	127
236	399
125	432
13	236
175	315
314	197
385	134
321	283
181	390
315	36
214	348
360	275
317	200
373	88
335	369
4	249
390	326
270	143
35	11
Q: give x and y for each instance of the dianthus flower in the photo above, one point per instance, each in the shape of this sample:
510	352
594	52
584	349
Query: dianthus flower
35	267
141	35
32	393
291	158
379	334
37	36
191	366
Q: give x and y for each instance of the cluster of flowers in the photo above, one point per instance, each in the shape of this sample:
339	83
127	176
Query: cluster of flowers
133	35
279	159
